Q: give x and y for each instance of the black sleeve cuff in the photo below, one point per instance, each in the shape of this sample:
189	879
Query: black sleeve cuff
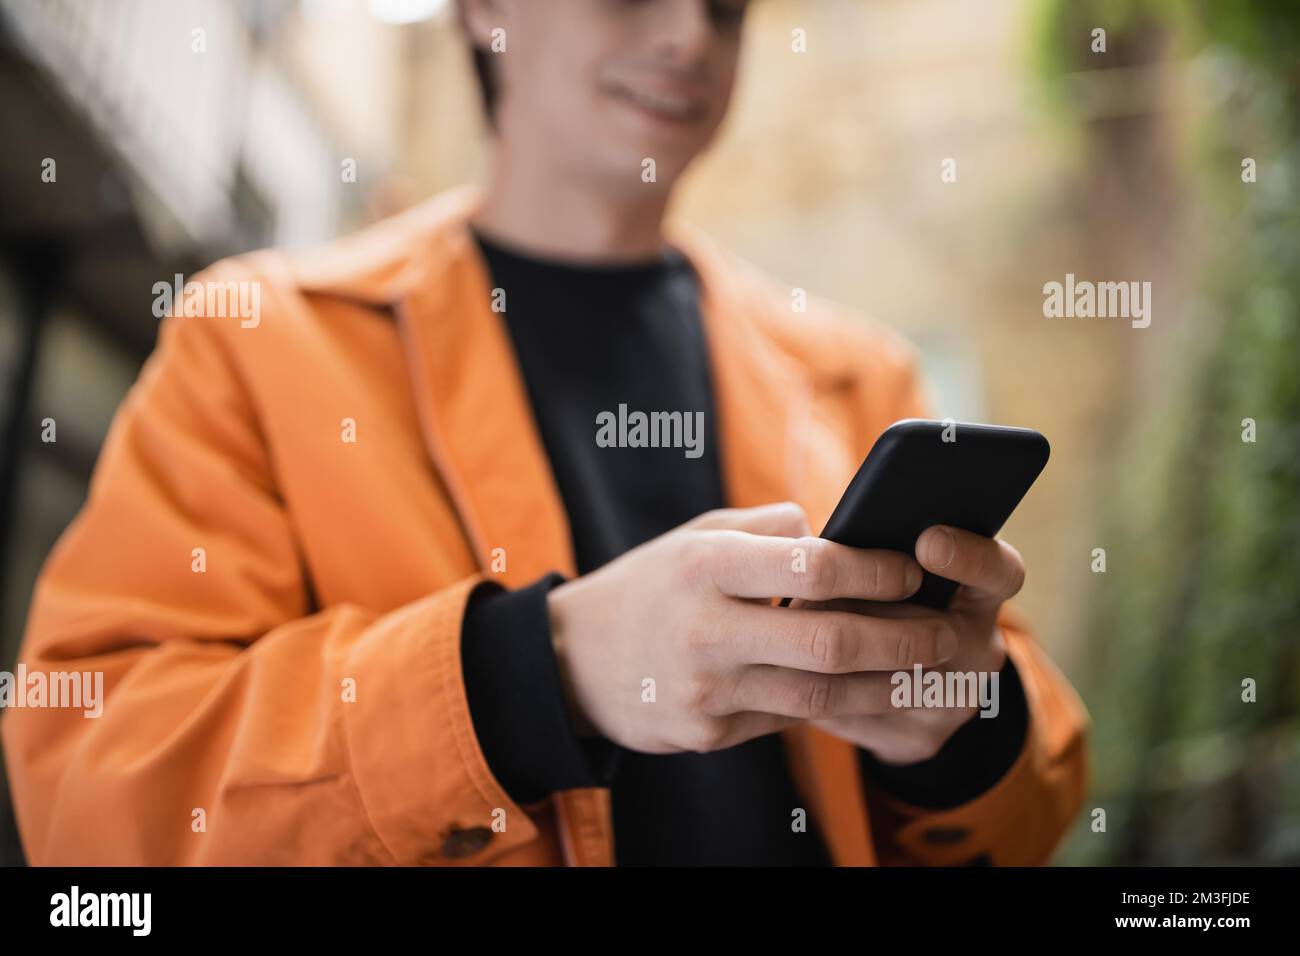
516	702
975	758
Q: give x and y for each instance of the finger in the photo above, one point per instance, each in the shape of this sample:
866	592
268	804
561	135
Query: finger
747	725
897	738
837	642
887	609
783	518
990	567
752	566
799	694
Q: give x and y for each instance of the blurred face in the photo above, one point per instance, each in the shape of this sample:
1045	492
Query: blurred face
594	87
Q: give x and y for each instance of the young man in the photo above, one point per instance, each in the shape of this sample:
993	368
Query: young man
369	584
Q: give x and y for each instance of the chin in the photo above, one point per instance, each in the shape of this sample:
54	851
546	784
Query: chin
672	155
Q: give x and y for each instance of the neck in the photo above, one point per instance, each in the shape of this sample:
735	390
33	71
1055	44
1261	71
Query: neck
550	215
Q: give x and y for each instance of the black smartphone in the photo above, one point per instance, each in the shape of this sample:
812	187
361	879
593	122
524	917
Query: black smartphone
921	473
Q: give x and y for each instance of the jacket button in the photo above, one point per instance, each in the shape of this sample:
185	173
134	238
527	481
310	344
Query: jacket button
945	836
459	843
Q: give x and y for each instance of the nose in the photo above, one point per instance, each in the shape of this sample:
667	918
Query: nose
683	31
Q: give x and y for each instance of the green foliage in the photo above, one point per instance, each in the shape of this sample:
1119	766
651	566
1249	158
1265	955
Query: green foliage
1209	531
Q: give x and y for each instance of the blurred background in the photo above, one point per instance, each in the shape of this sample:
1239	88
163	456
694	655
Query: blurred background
1123	163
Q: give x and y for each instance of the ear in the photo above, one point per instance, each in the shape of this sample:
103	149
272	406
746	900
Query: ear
478	18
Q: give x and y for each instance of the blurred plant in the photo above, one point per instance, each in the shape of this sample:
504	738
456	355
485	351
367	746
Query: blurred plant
1209	527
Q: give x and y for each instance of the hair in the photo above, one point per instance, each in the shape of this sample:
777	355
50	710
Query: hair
487	81
481	58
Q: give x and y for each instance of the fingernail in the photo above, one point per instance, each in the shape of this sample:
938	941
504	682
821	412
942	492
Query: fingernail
912	577
941	548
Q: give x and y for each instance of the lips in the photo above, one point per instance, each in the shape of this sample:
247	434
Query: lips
677	107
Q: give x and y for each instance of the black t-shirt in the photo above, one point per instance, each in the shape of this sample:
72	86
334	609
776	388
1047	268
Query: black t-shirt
597	344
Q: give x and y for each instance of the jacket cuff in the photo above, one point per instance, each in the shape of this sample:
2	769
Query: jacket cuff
420	775
516	700
971	762
1019	821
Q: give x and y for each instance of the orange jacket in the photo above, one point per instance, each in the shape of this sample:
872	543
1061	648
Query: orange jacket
227	689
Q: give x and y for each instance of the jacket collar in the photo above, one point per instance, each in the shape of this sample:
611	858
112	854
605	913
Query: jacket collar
424	265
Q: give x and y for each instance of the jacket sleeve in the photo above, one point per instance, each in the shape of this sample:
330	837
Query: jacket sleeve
1021	818
238	725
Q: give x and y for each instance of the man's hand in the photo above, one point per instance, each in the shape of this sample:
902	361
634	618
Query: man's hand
990	572
675	646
